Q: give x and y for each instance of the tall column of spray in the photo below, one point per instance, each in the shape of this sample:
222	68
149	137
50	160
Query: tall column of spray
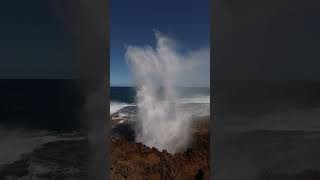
161	122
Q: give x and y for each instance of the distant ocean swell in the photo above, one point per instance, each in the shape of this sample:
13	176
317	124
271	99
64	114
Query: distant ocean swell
198	105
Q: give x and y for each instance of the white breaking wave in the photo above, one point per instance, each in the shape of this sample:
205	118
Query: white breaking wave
197	110
198	106
16	142
199	99
116	106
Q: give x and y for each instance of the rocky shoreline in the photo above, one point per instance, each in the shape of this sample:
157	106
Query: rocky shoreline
68	160
136	161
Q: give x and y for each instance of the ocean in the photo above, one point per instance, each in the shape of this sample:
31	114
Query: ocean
36	114
194	99
258	125
47	104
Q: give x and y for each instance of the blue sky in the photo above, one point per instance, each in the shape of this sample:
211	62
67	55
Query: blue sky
35	45
133	22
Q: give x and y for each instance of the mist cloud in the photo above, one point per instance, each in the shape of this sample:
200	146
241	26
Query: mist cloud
161	121
192	67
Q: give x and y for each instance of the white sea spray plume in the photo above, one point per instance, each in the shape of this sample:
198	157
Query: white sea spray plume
162	123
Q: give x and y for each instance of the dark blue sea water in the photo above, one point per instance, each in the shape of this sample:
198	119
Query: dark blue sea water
122	94
34	112
127	94
52	104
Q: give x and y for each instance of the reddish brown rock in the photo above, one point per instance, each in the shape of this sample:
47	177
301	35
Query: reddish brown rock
137	161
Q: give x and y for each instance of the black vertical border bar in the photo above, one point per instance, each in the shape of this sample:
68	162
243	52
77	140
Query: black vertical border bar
87	22
106	93
211	164
107	85
100	145
214	77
